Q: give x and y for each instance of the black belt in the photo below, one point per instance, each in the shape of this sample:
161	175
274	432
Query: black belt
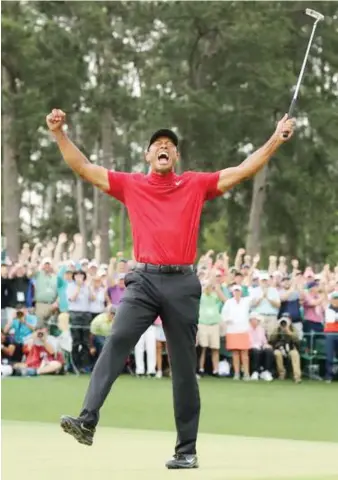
149	267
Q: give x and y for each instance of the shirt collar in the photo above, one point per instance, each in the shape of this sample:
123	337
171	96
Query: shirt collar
158	179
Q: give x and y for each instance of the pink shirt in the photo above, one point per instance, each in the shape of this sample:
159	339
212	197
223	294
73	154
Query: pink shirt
313	313
257	337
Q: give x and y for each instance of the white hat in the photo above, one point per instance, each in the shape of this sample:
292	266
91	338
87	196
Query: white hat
101	273
70	263
277	273
237	288
257	316
264	276
93	263
103	266
84	260
46	260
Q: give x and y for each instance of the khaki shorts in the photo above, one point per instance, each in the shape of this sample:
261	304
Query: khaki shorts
209	336
43	311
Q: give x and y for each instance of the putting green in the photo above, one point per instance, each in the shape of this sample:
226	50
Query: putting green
37	451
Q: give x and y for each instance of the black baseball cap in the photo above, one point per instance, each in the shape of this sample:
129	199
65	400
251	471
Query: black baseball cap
164	132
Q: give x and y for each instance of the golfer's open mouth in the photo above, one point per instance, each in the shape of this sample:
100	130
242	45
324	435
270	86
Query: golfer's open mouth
163	158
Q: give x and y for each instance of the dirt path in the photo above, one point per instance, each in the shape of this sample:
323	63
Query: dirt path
43	452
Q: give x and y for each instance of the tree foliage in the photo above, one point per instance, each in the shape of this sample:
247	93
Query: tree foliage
220	73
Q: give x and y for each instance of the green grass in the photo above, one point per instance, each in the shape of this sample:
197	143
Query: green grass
280	409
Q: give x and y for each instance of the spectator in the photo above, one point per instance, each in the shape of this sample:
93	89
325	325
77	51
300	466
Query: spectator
292	296
43	357
266	302
220	288
97	295
11	353
6	296
331	338
84	263
122	266
147	343
19	286
235	314
314	308
209	327
80	318
254	283
100	328
21	326
46	291
285	343
238	280
161	344
260	353
92	269
65	277
116	292
276	279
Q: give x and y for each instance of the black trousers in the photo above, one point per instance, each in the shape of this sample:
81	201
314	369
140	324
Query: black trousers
261	358
79	329
175	298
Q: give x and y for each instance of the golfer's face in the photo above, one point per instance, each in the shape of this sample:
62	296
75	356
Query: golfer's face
162	155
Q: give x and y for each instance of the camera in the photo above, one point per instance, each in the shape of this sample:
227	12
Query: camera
283	323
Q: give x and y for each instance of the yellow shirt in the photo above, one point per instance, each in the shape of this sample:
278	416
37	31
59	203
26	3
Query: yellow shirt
101	325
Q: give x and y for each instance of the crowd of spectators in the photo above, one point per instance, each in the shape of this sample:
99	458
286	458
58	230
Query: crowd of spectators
254	323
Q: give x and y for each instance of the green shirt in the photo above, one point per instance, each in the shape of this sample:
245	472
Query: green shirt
209	309
45	287
101	325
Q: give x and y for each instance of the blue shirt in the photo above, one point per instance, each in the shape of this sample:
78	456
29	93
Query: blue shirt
62	286
264	307
21	331
291	306
30	294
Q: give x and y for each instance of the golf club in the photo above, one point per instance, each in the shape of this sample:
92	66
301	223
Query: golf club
318	16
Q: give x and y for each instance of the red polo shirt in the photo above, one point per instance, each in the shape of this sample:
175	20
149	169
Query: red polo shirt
164	212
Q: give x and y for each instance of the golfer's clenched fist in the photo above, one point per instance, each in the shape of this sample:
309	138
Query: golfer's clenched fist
285	128
55	120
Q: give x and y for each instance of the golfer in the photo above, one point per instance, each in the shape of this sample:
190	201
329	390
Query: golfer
164	211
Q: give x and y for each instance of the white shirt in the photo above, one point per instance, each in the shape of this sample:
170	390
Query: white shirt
331	316
97	305
236	315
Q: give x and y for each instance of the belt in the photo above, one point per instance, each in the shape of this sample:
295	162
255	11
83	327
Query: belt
149	267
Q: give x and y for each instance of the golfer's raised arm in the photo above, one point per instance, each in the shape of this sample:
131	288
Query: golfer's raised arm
78	162
230	177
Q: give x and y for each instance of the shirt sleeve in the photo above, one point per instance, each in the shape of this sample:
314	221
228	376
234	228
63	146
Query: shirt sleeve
208	182
307	301
329	316
32	320
70	290
118	182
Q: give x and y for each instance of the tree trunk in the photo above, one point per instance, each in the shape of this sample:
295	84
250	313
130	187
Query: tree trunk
10	184
105	202
253	241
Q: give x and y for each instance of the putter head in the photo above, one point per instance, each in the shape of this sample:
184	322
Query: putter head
312	13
